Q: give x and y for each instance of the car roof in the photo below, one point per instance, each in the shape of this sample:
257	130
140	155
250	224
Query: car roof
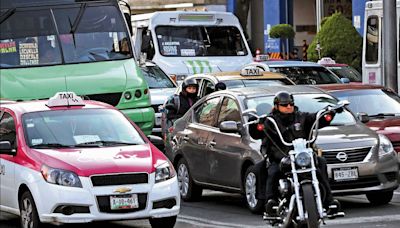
342	87
272	90
335	65
41	105
235	75
285	63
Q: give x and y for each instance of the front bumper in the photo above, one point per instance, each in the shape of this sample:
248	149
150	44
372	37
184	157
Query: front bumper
52	196
372	176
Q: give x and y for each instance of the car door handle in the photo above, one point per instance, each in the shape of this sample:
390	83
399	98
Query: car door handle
212	143
185	138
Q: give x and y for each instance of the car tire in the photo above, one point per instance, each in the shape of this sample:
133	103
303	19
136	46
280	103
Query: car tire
167	222
380	197
29	217
250	192
188	189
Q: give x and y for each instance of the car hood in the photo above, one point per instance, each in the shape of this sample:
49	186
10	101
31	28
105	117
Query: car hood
345	137
91	161
160	95
387	126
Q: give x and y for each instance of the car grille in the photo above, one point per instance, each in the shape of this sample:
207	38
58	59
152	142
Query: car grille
364	182
119	179
104	204
109	98
353	155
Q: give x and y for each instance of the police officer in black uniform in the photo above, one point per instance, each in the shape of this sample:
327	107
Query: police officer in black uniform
292	124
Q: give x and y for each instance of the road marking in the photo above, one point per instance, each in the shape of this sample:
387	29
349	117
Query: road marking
339	221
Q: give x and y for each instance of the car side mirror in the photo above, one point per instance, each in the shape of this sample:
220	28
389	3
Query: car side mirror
5	148
345	80
229	127
156	140
363	117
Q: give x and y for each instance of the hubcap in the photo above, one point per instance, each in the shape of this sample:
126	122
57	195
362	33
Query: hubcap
250	188
26	213
183	179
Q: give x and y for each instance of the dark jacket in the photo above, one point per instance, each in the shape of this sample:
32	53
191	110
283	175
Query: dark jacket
179	109
297	125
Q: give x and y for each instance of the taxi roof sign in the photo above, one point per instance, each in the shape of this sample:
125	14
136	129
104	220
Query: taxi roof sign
65	99
326	60
251	71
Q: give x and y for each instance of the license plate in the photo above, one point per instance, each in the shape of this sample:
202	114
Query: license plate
344	174
124	202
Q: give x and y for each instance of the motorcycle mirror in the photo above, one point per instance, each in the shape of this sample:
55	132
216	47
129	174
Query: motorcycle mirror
250	111
343	103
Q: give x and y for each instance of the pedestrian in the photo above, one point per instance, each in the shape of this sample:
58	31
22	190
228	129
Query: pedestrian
305	48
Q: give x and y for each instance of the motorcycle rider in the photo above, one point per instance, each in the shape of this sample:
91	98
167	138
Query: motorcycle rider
292	124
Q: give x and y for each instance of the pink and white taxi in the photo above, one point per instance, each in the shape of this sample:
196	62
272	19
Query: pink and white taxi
65	160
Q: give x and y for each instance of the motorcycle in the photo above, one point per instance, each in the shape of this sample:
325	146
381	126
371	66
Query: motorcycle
301	195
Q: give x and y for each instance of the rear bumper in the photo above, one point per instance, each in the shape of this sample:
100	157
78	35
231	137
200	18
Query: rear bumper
143	117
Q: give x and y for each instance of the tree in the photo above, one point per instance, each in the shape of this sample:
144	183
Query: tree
339	40
282	31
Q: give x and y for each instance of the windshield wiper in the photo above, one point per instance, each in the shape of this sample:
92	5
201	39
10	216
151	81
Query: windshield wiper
7	14
50	145
78	18
382	115
104	142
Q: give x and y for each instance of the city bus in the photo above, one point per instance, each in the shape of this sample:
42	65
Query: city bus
184	43
372	59
71	45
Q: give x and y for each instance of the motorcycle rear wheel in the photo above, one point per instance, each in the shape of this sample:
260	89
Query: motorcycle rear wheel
310	206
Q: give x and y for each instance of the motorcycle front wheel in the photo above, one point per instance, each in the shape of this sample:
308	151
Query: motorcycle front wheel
310	206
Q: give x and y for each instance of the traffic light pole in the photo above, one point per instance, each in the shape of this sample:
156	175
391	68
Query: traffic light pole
390	44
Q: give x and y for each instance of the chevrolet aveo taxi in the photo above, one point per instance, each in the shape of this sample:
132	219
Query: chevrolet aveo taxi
71	161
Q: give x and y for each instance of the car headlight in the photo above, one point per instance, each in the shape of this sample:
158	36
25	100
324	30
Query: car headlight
385	146
303	159
164	172
60	177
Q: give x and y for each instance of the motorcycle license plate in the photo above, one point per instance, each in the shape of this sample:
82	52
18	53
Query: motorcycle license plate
345	174
124	202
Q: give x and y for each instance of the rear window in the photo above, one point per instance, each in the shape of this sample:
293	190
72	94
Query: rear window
307	75
231	84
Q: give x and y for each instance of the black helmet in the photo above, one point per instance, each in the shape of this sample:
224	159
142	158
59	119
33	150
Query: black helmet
283	97
189	81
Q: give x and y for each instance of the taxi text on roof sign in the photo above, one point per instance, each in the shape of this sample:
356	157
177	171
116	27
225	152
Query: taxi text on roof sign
251	71
65	99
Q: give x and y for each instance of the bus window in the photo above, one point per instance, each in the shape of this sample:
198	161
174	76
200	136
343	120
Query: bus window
28	39
372	42
188	41
100	34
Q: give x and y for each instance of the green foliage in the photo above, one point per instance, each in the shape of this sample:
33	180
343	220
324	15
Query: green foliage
283	31
338	40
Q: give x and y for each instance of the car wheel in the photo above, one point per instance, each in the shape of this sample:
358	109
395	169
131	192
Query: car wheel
188	189
250	188
167	222
380	197
29	215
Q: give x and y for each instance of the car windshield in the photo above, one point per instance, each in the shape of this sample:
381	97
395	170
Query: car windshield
175	41
305	103
347	72
307	75
156	78
79	128
57	36
231	84
371	101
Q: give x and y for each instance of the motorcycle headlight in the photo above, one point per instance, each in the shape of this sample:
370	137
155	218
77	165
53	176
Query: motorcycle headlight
164	172
303	159
385	146
60	177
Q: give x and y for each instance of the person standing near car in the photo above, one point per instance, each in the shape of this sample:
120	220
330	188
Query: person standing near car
178	105
292	124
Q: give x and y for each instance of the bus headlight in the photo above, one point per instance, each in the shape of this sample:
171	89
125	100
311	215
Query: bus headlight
60	177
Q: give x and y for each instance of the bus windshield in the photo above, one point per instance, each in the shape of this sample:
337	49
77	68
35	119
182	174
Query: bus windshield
185	41
63	35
